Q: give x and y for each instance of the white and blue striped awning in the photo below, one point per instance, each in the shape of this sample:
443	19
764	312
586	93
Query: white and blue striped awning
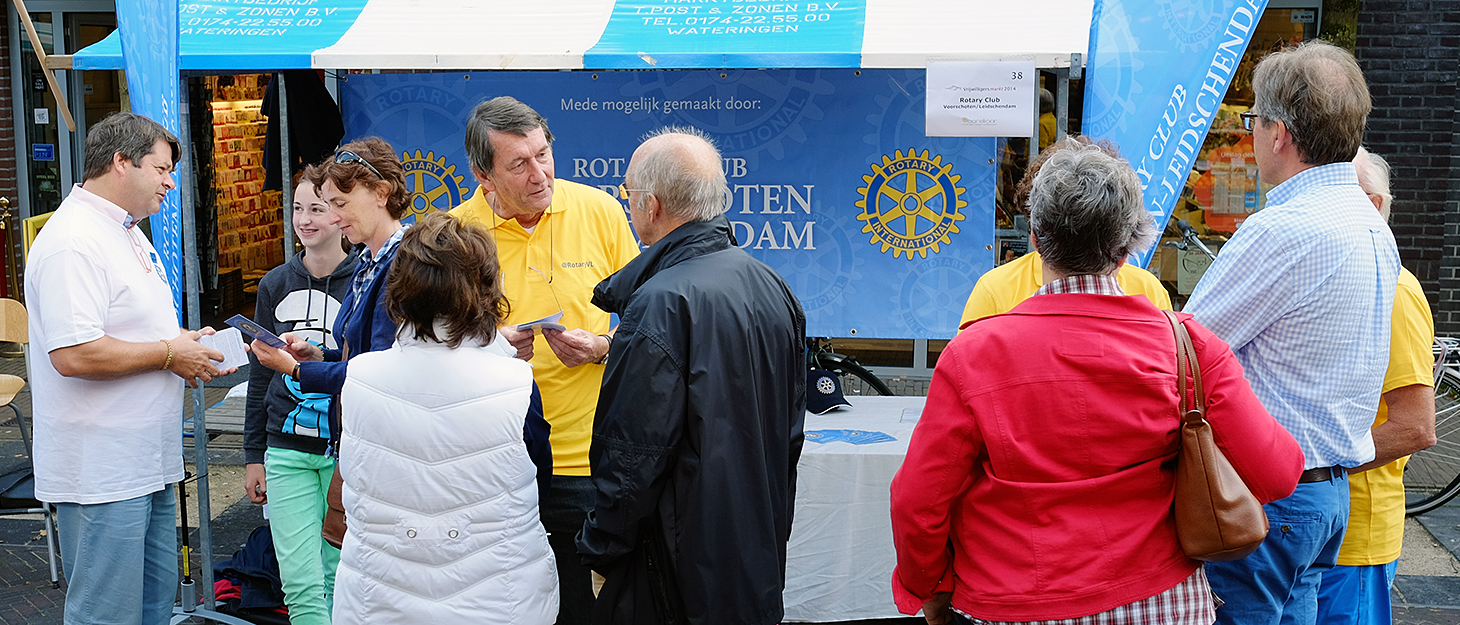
244	35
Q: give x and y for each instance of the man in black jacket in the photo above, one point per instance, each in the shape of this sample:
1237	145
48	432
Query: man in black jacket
699	424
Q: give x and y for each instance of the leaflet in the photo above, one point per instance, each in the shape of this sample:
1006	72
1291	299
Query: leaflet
230	342
550	321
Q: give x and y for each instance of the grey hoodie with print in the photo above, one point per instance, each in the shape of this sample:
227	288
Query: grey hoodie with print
278	414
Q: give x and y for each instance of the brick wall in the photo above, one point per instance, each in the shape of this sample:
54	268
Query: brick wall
8	184
1447	317
1410	53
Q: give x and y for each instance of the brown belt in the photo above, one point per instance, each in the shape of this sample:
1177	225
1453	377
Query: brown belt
1320	474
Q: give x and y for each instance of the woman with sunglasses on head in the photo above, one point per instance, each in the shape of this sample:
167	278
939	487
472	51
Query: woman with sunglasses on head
285	430
364	186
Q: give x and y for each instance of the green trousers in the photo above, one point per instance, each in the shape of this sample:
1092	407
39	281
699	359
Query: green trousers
297	483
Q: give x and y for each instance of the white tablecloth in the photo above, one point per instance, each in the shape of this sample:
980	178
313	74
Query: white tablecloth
840	558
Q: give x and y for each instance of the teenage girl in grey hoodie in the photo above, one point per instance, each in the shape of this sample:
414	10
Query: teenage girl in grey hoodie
286	431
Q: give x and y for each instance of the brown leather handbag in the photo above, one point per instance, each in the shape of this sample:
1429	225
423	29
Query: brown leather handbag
333	527
333	530
1217	518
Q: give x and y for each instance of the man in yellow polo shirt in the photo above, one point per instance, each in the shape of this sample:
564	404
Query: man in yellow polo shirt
556	240
1003	287
1356	591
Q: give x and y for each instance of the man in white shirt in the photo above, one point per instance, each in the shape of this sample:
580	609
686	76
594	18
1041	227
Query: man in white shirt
108	394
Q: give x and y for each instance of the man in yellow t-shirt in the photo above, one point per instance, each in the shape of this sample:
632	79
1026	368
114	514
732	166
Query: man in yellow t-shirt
1002	288
1356	591
1047	122
556	240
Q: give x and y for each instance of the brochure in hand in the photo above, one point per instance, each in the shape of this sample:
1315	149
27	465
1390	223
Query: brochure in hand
550	321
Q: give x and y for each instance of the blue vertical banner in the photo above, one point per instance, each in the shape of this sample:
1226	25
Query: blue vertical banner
1157	73
149	33
879	229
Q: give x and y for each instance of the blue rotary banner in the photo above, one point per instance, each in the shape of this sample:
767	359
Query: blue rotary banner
1156	74
879	229
148	30
237	35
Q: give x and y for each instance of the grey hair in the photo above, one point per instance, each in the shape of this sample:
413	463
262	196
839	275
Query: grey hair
1373	173
1085	211
131	134
1318	91
689	182
500	114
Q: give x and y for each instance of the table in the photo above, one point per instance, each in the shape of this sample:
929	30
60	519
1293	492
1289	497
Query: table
840	558
225	417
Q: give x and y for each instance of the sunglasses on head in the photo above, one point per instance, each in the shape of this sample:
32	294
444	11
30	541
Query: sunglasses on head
344	157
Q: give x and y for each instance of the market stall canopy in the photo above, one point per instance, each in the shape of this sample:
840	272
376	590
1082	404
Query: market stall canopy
244	35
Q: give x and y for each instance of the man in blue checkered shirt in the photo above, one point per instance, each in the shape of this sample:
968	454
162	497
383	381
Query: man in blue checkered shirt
1303	293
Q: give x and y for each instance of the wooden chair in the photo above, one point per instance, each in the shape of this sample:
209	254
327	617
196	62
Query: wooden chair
17	488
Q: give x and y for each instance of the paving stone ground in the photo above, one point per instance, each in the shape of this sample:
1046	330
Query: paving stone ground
26	594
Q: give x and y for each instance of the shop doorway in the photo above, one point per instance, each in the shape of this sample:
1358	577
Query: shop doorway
48	155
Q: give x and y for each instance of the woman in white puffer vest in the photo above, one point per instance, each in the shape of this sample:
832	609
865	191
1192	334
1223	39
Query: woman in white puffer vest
439	491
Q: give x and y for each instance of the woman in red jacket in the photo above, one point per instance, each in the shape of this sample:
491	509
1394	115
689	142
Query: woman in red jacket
1038	483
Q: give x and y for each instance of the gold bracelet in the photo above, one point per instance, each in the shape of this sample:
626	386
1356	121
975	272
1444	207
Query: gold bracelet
167	363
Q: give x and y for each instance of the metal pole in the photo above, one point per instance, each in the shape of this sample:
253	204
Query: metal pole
193	285
1033	150
286	170
1061	102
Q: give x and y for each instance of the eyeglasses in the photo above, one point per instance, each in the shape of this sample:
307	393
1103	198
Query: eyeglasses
345	157
141	253
1247	120
624	190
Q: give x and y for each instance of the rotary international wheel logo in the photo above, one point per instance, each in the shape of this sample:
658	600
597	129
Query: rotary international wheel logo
432	183
825	386
911	203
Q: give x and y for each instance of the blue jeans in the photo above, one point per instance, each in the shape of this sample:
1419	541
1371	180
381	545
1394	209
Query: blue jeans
1279	582
298	482
563	513
120	560
1357	595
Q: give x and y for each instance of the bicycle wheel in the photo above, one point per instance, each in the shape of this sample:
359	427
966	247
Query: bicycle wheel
1432	476
846	367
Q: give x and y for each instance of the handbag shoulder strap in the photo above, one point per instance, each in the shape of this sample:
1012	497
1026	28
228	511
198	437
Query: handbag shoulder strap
1186	362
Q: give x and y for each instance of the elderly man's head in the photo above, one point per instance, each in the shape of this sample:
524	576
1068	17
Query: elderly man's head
1317	92
1373	173
511	153
674	178
1085	211
1021	190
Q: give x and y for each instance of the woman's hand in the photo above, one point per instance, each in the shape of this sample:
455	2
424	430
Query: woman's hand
520	339
302	349
939	609
273	358
254	484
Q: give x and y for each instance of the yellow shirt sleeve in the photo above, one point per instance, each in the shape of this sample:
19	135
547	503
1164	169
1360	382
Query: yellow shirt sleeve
1136	281
1411	333
980	303
1002	288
